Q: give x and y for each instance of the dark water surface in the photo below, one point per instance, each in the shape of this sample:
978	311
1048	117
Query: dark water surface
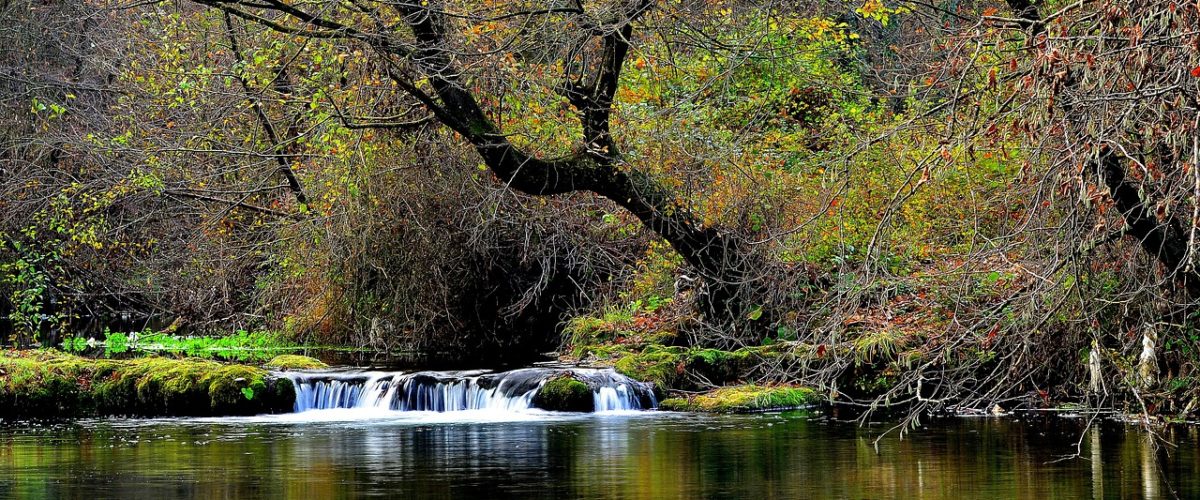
344	454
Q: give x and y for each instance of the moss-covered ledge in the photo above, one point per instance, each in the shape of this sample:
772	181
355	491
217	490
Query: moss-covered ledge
744	399
285	362
51	384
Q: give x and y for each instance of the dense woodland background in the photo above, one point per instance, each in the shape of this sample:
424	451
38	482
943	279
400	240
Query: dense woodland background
930	203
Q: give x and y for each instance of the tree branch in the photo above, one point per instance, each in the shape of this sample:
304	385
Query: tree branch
238	204
282	157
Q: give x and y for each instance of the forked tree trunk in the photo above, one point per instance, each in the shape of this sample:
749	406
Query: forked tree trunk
722	262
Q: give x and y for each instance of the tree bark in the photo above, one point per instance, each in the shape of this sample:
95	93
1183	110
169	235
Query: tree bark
1165	240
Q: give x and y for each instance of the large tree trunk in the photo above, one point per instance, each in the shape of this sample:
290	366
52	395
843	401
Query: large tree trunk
1164	239
597	168
722	262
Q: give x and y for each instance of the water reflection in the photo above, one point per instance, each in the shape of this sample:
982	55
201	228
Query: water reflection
1097	462
541	455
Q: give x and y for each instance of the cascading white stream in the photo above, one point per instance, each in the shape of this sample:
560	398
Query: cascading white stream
458	391
614	398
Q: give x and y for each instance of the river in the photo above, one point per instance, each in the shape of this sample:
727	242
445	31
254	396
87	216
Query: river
526	453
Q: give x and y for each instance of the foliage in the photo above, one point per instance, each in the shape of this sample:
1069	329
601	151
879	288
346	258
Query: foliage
29	291
881	200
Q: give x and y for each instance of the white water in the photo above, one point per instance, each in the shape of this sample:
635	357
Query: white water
458	391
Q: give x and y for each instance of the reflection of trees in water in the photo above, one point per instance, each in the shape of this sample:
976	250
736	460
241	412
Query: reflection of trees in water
1149	468
764	456
1097	463
460	458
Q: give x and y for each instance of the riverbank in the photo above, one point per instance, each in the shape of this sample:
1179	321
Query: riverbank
52	384
750	379
706	380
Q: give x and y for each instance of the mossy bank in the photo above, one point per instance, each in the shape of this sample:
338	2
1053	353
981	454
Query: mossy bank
287	362
681	372
744	399
50	384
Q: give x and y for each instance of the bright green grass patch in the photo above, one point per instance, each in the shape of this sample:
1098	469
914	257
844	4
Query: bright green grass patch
241	345
668	367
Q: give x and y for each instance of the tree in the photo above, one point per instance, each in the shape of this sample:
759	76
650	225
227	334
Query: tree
1097	99
55	76
421	48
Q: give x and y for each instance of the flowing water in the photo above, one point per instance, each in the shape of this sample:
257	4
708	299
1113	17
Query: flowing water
459	390
354	440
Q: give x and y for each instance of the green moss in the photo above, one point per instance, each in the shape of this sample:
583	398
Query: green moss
294	362
42	383
601	352
626	327
721	367
46	384
564	393
657	364
666	367
742	399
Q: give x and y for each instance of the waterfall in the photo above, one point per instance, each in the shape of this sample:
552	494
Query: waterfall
458	391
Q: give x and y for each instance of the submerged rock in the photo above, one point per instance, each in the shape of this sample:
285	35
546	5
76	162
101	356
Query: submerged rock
50	384
564	393
744	399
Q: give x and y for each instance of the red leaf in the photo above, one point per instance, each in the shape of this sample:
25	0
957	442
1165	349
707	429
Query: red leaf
1196	72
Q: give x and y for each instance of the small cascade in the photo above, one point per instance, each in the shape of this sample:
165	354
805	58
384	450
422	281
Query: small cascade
458	391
